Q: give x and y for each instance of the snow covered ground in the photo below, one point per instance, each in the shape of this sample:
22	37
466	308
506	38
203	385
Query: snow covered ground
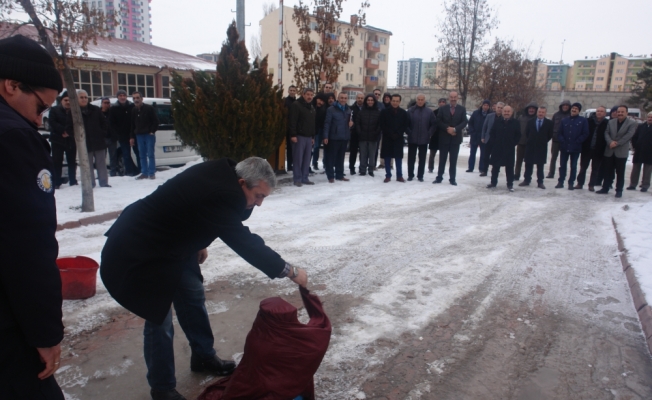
386	242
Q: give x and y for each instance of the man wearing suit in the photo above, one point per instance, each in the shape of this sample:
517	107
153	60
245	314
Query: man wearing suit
451	120
618	135
538	133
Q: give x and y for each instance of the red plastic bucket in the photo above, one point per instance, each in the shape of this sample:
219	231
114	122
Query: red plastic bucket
78	277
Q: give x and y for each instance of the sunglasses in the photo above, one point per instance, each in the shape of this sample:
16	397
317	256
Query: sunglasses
41	107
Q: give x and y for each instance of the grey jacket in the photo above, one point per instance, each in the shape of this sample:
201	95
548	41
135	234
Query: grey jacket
423	124
622	137
486	127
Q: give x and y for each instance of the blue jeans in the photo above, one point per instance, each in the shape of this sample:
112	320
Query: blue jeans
388	167
191	312
146	144
563	165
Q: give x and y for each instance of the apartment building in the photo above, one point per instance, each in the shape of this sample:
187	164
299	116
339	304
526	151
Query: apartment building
133	18
552	76
610	73
428	73
409	73
365	70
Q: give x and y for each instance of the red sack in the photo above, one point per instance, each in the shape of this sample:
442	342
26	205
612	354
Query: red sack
281	354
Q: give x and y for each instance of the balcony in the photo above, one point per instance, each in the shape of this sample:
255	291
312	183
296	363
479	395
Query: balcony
371	80
371	63
373	46
331	39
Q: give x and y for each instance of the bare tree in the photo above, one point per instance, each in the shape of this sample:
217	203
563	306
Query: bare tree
506	74
269	8
324	42
463	32
65	28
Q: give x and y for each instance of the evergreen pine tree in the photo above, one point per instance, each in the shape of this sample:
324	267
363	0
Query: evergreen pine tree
236	113
642	92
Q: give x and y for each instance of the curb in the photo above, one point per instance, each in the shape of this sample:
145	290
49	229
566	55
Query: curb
640	304
96	219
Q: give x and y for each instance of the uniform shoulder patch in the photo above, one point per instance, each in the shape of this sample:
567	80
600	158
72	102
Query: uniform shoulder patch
44	181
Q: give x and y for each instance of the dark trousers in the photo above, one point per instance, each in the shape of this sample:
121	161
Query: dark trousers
483	158
585	161
597	169
112	148
520	157
315	150
70	151
554	153
474	144
288	148
130	167
191	313
614	166
509	171
636	173
452	149
431	159
302	152
529	168
412	155
20	365
336	150
354	147
563	165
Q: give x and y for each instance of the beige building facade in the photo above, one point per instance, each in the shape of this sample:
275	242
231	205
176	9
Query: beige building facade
365	70
611	73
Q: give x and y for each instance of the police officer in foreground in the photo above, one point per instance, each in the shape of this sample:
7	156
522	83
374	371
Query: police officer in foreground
30	286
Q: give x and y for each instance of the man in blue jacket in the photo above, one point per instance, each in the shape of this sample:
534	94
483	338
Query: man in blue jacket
572	132
336	133
475	133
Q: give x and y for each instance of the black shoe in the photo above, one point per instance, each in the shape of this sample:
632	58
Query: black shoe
619	194
362	174
453	183
524	183
550	176
166	395
517	178
431	171
352	172
510	188
602	191
310	171
142	176
213	365
438	180
421	180
483	174
570	187
643	190
315	167
410	178
371	174
559	186
57	187
540	186
73	183
490	186
105	185
469	170
631	188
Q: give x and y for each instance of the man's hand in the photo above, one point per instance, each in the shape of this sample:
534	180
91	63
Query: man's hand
65	135
301	278
202	255
482	140
451	131
313	142
294	139
350	124
132	142
50	356
325	141
613	144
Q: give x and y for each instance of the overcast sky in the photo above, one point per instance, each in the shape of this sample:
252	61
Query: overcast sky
589	28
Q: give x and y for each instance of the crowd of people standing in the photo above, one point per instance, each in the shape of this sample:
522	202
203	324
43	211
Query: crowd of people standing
375	125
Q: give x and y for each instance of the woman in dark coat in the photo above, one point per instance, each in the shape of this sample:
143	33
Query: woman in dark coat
394	121
505	135
367	124
642	145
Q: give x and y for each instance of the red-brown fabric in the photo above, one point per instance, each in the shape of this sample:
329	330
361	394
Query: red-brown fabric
281	354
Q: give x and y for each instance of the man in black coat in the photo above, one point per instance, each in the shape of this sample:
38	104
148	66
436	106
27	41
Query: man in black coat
144	124
152	255
538	133
433	146
302	136
30	285
120	126
394	122
354	142
505	135
597	127
642	145
291	98
62	142
451	120
476	122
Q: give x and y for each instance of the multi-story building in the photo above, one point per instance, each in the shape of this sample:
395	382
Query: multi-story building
409	73
610	73
132	18
365	70
428	73
552	76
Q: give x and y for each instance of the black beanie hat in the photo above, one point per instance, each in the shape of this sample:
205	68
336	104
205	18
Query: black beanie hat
578	105
613	110
25	61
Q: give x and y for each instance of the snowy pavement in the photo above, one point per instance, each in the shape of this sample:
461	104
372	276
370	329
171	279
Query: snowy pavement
392	262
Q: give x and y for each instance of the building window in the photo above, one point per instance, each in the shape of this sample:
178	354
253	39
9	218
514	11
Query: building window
136	82
599	78
618	78
601	71
602	63
360	70
382	57
381	73
96	83
620	71
351	59
382	40
621	62
165	85
361	55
